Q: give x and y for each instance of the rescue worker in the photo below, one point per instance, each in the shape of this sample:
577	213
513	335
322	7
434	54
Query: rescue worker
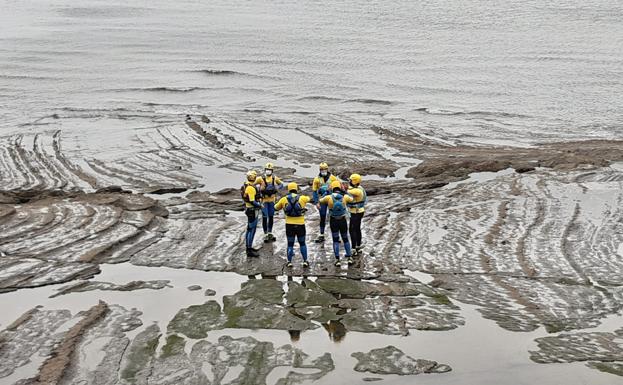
337	202
356	208
269	184
293	206
251	197
321	187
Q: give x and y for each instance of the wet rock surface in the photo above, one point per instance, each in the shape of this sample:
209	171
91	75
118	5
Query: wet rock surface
33	334
532	240
107	286
263	303
600	350
391	360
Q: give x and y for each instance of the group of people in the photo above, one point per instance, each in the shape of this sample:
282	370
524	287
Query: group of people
339	201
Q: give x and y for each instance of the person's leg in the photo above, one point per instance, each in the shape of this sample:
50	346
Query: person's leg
323	218
301	238
256	213
291	236
335	234
355	229
358	229
251	226
270	210
265	219
351	229
343	227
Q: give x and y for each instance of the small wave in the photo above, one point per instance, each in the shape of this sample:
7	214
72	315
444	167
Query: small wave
213	72
319	97
27	77
371	101
262	111
220	72
255	111
434	111
160	89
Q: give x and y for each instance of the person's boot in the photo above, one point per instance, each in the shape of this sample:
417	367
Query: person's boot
305	264
349	260
355	252
337	262
271	237
266	237
251	252
320	239
289	264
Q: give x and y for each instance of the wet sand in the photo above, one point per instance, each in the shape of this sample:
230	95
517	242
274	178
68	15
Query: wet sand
495	261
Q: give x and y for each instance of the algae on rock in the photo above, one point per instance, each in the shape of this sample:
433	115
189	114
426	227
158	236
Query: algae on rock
197	320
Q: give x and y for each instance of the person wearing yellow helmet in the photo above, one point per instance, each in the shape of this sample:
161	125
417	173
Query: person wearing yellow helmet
337	202
357	209
293	206
250	194
321	188
269	184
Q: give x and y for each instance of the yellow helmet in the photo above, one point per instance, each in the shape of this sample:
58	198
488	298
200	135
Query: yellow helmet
355	178
251	176
269	166
292	186
324	166
336	184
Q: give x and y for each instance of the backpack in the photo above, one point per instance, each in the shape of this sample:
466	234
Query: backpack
270	189
243	192
324	189
339	209
293	208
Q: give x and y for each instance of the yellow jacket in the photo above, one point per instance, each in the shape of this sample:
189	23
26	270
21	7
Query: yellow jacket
303	200
250	193
264	181
359	195
322	188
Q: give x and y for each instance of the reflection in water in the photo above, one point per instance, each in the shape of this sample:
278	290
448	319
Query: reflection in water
295	335
336	330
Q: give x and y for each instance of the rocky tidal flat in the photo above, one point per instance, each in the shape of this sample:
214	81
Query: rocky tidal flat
481	264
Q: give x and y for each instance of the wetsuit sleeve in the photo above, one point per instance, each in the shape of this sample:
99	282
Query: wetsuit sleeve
325	200
304	200
355	192
348	199
260	181
280	204
316	184
279	183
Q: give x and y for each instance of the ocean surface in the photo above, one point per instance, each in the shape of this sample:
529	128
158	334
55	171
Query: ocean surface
481	71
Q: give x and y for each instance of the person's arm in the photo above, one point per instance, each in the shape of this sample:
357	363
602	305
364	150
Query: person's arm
348	199
355	193
280	204
304	200
261	182
279	183
315	187
251	194
325	200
